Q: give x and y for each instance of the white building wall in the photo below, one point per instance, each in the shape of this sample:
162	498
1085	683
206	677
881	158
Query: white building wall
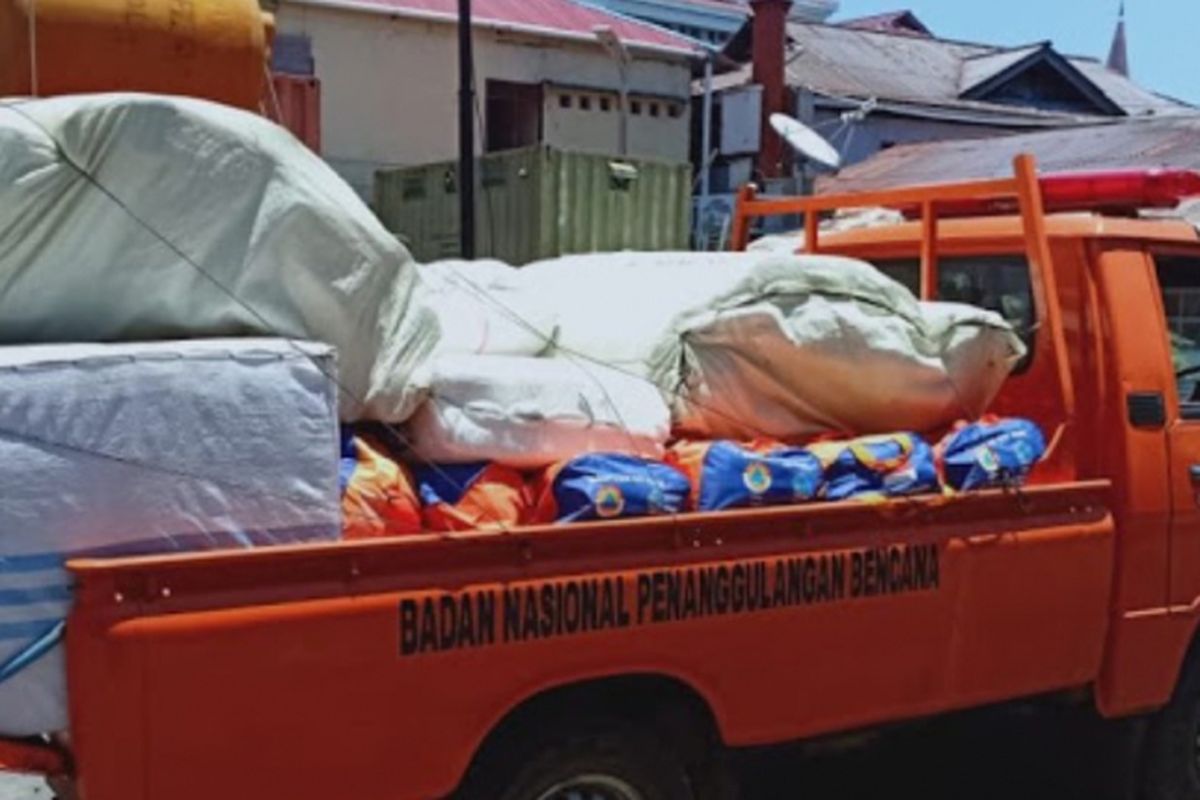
389	89
658	126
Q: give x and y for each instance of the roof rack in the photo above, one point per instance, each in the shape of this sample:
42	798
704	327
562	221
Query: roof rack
1022	194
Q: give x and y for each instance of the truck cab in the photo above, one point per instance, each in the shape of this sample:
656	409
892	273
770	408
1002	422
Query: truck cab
1111	368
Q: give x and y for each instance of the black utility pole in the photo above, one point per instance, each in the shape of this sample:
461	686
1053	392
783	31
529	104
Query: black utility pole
466	133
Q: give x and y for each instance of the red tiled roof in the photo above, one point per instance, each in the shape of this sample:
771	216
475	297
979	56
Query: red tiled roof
555	18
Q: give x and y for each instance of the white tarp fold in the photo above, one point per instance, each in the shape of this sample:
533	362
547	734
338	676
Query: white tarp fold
142	217
530	412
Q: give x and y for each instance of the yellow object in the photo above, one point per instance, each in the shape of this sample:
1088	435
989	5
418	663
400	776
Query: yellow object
214	49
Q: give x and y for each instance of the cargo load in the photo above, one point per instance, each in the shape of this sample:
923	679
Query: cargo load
726	474
618	307
111	450
532	412
238	228
379	497
466	497
479	307
877	467
990	452
608	486
805	345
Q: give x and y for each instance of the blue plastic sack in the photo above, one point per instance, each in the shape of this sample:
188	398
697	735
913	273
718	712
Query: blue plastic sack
726	474
607	486
991	452
876	467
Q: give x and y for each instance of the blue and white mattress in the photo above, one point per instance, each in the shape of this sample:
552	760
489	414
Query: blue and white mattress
147	448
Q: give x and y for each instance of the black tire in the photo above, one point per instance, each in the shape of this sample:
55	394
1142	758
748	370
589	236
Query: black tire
604	761
1172	749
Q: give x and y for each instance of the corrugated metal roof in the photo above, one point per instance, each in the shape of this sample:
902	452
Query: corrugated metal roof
731	6
836	61
862	63
1136	100
1166	142
981	68
553	18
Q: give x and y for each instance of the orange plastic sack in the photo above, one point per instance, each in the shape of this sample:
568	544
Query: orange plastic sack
465	497
378	498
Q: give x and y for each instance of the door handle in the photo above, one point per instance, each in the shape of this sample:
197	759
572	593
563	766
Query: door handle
1194	473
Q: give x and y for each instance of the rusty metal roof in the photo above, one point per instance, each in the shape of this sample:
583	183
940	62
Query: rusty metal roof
978	69
1166	142
837	61
903	22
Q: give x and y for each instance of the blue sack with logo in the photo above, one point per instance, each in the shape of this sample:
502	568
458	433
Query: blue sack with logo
991	452
607	486
726	474
876	467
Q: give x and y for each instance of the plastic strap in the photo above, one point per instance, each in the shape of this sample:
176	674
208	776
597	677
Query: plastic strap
33	651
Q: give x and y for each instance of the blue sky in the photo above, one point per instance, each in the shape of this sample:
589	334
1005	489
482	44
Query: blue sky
1164	35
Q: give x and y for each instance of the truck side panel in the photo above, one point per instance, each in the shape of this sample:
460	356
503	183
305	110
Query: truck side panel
315	671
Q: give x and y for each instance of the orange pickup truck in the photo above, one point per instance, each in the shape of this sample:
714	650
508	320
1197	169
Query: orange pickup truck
621	660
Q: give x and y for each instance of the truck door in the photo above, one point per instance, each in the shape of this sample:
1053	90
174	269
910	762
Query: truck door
1179	282
1029	616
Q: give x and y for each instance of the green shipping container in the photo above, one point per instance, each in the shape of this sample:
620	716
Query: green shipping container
540	202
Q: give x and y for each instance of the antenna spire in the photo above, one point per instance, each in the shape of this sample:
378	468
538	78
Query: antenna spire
1118	54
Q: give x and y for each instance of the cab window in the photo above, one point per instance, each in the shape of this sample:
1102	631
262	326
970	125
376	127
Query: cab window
1179	281
998	283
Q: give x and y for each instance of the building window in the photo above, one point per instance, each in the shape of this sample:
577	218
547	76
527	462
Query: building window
654	109
674	110
564	100
605	104
585	103
514	115
635	107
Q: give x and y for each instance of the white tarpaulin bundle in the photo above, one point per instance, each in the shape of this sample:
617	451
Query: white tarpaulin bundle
147	448
618	307
775	344
140	217
530	412
808	344
479	307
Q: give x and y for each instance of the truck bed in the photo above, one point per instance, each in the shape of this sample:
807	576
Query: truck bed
334	659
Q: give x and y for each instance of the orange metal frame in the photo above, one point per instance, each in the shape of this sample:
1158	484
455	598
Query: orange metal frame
1023	187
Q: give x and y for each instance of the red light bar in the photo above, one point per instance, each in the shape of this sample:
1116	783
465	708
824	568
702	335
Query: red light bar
1119	189
1112	190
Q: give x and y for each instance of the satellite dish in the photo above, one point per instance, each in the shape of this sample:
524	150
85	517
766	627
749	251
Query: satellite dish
805	141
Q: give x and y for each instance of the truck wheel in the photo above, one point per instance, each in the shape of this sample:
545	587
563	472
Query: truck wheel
1172	754
610	762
